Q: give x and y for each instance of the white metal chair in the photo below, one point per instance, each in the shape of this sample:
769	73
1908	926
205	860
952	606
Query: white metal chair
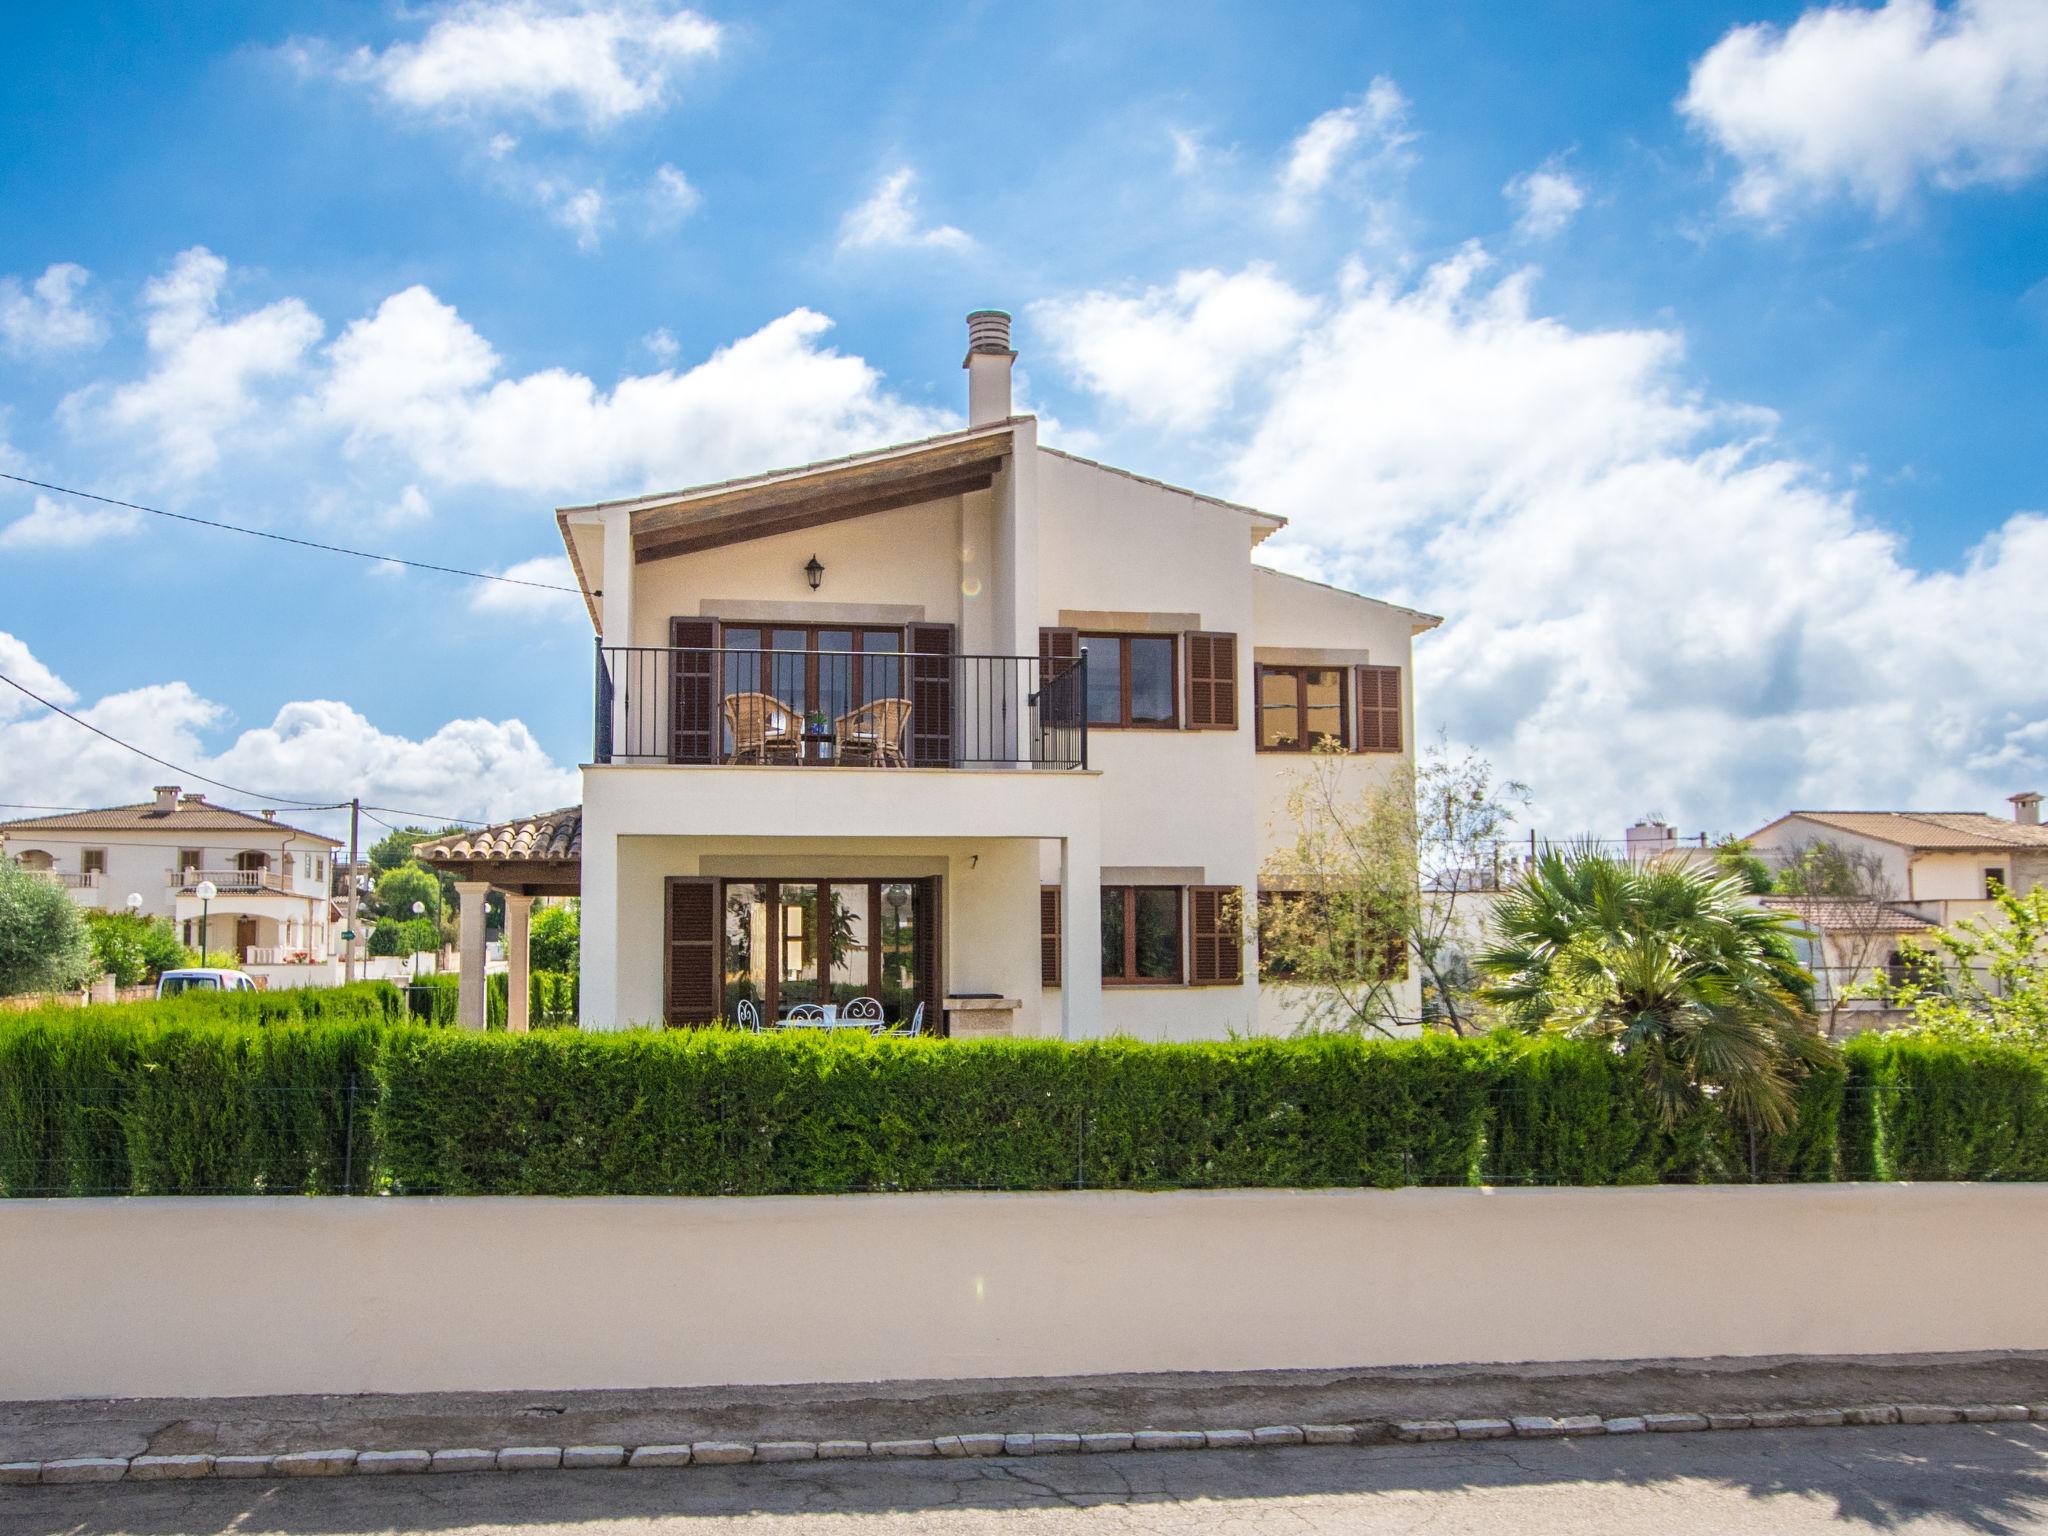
746	1015
910	1029
804	1016
863	1010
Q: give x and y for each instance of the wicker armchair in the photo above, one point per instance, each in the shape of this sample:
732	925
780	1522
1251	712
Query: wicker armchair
872	734
764	729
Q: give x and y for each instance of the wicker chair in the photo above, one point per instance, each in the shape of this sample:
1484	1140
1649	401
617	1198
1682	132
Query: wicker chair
872	734
764	729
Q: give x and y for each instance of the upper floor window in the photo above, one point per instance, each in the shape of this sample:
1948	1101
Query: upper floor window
1301	707
1131	680
1994	881
92	861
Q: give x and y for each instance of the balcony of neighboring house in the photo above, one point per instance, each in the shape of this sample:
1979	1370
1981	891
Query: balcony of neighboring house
241	880
826	697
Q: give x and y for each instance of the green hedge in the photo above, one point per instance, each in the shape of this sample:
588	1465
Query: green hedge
251	1095
551	998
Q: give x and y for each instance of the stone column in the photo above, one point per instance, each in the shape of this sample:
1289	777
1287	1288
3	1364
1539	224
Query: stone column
518	928
469	992
1081	931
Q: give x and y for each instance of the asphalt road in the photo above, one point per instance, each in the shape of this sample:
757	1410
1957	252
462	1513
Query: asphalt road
1973	1478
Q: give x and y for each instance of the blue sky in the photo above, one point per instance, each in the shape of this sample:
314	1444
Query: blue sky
1688	359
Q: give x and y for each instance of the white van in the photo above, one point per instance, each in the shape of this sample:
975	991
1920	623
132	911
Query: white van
171	983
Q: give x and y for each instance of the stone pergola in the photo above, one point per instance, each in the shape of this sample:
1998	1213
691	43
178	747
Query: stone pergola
534	856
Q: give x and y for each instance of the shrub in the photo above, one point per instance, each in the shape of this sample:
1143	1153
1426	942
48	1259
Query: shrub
554	940
228	1093
1928	1108
43	943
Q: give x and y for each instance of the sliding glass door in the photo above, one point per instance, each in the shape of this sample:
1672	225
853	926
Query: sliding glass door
830	941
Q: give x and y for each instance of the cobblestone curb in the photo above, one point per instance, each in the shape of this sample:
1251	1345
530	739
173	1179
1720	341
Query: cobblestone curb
345	1462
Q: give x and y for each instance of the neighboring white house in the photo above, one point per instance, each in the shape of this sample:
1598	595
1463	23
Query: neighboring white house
1940	865
968	722
272	909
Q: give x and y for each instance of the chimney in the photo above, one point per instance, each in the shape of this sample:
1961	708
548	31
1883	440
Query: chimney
2026	808
1648	838
166	799
270	815
193	797
988	366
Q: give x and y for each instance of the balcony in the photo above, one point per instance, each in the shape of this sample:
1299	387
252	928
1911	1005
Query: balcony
885	709
224	880
88	880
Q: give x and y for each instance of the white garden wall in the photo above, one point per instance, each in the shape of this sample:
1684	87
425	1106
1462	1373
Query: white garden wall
148	1297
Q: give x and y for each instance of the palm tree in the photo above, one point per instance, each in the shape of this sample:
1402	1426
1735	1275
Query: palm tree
1669	964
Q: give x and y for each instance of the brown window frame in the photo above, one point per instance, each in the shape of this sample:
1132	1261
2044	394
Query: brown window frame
92	861
1994	873
1127	975
1300	676
1123	638
814	663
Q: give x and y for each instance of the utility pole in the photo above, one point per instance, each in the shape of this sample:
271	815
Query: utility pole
348	937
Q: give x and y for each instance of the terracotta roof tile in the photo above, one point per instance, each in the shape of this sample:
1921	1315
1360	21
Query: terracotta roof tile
190	815
1930	830
556	837
1848	914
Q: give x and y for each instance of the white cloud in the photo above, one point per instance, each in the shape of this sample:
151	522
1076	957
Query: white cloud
1548	198
888	220
1171	356
531	601
207	374
1871	103
661	345
411	506
1189	152
592	63
46	317
416	391
415	377
311	750
19	663
580	210
1376	125
1649	600
66	525
670	199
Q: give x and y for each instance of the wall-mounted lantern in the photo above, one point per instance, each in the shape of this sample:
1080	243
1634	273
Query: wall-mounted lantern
816	572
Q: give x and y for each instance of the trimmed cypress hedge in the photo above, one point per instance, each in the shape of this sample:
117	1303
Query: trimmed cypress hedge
251	1096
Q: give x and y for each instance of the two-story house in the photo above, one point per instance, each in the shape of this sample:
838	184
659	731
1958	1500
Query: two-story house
968	724
271	906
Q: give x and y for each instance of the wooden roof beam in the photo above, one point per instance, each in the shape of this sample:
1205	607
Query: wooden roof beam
814	513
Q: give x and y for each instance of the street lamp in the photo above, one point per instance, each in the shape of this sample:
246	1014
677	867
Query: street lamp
135	903
206	891
418	910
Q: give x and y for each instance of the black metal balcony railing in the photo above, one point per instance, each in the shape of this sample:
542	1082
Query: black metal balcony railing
889	709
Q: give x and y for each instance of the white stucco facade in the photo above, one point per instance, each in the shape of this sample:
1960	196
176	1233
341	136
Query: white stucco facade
272	907
1042	549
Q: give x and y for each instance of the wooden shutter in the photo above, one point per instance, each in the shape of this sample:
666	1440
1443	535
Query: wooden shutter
1048	935
1212	680
1216	934
1379	709
1059	645
692	993
930	986
694	705
1061	703
931	695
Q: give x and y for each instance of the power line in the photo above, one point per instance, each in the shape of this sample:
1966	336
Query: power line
233	789
285	538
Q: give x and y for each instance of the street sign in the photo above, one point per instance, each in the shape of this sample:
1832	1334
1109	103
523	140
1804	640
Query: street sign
348	935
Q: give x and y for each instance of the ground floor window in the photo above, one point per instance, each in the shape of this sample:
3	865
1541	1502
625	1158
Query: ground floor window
1141	942
788	942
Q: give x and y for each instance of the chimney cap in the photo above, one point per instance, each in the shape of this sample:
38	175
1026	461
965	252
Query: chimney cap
2026	797
988	333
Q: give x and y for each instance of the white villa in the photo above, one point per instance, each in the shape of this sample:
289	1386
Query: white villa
995	735
273	908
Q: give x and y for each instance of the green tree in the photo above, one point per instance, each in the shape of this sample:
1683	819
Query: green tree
1983	979
402	885
404	936
1734	857
1671	965
132	948
1377	876
44	946
554	941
